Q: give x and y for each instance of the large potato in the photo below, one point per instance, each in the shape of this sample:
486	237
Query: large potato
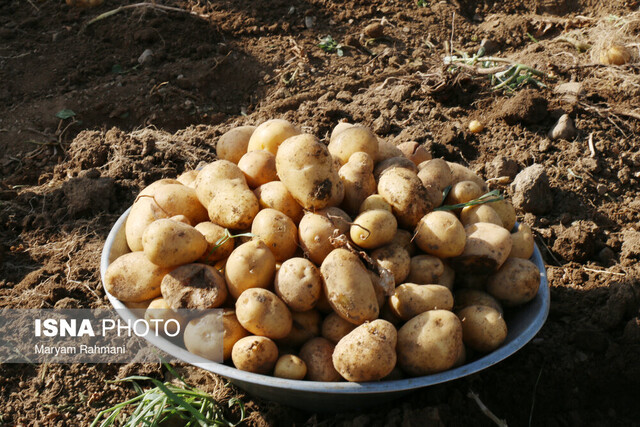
486	249
233	206
255	354
441	234
523	243
386	150
392	163
357	177
394	258
483	328
306	325
410	299
316	229
206	337
425	270
250	265
169	243
277	231
374	228
270	135
219	246
261	312
516	282
194	286
368	353
306	168
212	175
275	195
352	140
133	278
407	196
429	343
348	287
317	354
335	327
233	144
299	283
259	167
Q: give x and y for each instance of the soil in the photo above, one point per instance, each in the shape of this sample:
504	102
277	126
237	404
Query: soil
65	180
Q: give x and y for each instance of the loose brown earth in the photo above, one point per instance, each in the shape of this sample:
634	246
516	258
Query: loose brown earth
65	182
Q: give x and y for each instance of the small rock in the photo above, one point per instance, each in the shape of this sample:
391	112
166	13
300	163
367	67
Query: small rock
374	31
309	21
563	129
570	92
146	56
531	190
502	166
601	189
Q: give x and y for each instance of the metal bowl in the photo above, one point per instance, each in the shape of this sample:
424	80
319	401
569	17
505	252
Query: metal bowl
522	324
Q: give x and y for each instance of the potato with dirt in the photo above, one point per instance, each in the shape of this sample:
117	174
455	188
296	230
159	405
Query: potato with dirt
232	145
515	283
463	192
194	286
394	258
415	152
425	269
335	327
259	167
211	175
483	328
435	172
486	249
407	196
316	229
261	312
317	354
299	284
441	234
393	163
233	206
467	297
373	228
357	177
133	278
411	299
506	212
250	265
462	173
374	201
305	325
255	354
219	244
170	243
352	140
275	195
479	213
271	134
277	231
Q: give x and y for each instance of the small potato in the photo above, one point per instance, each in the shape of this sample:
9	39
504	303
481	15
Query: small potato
214	234
353	140
317	228
468	297
523	243
462	173
373	229
425	270
194	286
407	196
435	172
170	243
393	163
415	152
261	312
368	353
291	367
259	167
463	192
483	328
306	325
277	231
430	342
448	277
395	259
410	299
299	283
233	144
374	201
188	178
212	175
479	213
441	234
206	336
270	135
357	176
317	355
255	354
233	206
275	195
516	282
335	327
250	265
486	249
160	311
386	150
506	212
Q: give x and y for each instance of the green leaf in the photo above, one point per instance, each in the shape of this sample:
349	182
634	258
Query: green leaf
65	114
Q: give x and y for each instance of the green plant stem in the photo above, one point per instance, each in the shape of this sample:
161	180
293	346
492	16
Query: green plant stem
491	196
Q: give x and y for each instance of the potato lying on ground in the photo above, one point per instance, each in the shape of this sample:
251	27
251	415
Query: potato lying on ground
335	327
483	328
250	265
305	167
255	354
410	299
206	336
374	228
194	286
523	244
306	325
299	283
357	176
425	270
352	140
169	243
395	259
277	231
275	195
317	354
291	367
270	135
415	152
316	229
441	234
486	249
516	282
367	353
407	196
468	297
233	144
214	234
259	167
261	312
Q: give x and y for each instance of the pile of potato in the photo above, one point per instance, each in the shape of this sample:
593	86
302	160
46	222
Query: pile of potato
331	261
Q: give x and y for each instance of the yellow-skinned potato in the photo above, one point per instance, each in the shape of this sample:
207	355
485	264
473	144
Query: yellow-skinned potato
169	243
270	135
506	212
335	327
194	286
407	196
516	282
275	195
483	328
374	201
357	176
233	206
348	287
425	269
250	265
410	299
233	144
305	167
212	175
441	234
523	243
486	249
259	167
206	336
233	331
317	355
435	172
188	178
386	150
291	367
373	229
479	213
133	278
430	342
393	163
299	283
462	192
181	218
468	297
415	152
448	277
306	325
261	312
339	128
462	173
368	353
395	259
353	140
277	231
213	233
255	354
315	230
404	239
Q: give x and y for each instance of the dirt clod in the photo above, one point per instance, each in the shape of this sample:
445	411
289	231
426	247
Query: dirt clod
531	190
576	243
527	107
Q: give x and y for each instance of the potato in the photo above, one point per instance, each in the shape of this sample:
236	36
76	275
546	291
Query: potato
448	277
523	243
407	196
386	150
339	128
479	213
441	234
395	259
404	239
468	297
425	270
379	287
393	163
516	282
317	355
368	353
270	135
277	231
188	178
483	328
463	192
169	243
181	218
194	286
410	299
335	327
415	152
374	201
255	354
357	177
233	144
206	336
506	212
259	167
305	167
348	287
250	265
159	310
462	173
233	331
317	228
261	312
306	325
212	175
429	343
435	172
299	284
372	229
275	195
218	245
291	367
486	249
233	206
352	140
